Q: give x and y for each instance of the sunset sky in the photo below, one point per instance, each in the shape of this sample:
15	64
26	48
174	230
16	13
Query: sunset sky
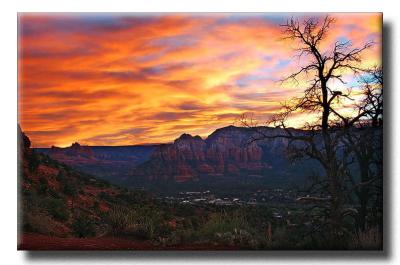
122	79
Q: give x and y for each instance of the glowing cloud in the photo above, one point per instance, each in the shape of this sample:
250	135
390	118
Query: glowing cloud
118	80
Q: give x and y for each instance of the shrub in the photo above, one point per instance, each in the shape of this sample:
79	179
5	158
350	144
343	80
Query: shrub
57	208
104	196
61	177
40	223
232	228
225	222
33	163
53	193
163	229
84	226
370	239
185	236
43	185
143	223
120	218
70	189
96	206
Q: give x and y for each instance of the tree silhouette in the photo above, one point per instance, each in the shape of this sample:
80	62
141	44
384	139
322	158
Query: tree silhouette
366	145
334	140
323	66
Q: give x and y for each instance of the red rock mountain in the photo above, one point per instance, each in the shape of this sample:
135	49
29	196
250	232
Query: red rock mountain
227	151
75	152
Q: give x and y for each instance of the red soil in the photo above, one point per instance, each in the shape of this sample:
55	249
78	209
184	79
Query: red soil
29	241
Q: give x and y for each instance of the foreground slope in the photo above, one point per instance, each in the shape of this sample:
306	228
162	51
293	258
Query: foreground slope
62	209
60	202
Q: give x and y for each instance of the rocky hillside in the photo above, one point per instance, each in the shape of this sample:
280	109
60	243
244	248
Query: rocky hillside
62	209
228	151
58	201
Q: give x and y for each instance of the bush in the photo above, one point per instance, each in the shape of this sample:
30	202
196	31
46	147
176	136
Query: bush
237	238
120	218
33	163
84	226
70	189
233	228
43	186
225	222
57	208
40	223
142	223
96	206
163	230
370	239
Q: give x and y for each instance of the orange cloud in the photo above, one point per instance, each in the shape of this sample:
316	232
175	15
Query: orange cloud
114	79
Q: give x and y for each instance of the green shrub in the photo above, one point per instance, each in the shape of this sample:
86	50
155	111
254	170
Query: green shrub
70	189
43	186
163	229
119	218
84	226
104	196
233	228
96	206
143	223
33	162
53	193
57	208
225	222
38	222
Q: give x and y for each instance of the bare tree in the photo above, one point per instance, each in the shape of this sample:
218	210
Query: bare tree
372	103
365	144
323	66
323	140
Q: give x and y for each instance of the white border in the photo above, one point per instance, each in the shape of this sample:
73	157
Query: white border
8	70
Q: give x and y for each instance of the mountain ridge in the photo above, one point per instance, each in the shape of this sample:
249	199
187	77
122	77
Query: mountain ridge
227	152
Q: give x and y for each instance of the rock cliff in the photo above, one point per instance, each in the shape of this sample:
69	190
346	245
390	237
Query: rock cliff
227	151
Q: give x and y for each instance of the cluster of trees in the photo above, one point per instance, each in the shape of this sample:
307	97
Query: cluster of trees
346	138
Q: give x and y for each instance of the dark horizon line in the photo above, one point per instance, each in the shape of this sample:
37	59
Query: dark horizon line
156	144
150	144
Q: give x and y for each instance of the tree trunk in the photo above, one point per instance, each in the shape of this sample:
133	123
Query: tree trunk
362	213
325	106
334	186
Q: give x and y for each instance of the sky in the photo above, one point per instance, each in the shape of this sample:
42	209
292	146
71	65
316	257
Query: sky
124	79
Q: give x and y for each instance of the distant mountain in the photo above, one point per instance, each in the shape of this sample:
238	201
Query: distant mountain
230	153
112	163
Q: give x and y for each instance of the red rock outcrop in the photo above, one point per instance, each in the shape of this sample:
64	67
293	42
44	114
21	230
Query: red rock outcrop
75	152
227	151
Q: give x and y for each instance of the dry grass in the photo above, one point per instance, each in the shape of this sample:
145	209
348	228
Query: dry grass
371	239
